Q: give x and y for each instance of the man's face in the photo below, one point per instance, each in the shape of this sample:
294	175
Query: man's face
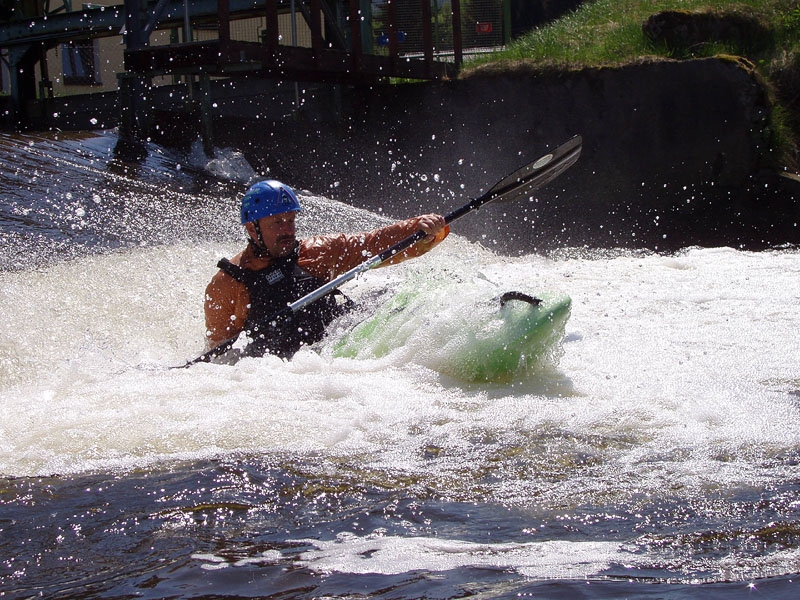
278	232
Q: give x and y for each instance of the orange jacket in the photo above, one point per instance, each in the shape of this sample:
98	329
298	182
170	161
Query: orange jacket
327	256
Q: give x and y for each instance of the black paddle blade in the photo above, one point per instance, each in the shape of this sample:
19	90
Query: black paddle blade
526	179
538	173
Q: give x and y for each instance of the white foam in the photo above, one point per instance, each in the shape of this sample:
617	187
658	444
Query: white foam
391	555
226	163
679	369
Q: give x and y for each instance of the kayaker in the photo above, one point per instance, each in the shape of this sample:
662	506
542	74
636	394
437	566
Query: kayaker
276	269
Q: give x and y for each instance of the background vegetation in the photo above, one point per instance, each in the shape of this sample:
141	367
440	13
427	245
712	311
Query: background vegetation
607	33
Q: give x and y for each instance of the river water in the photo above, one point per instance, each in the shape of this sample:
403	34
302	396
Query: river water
659	458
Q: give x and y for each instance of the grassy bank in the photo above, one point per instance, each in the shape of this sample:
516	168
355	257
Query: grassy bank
609	32
604	33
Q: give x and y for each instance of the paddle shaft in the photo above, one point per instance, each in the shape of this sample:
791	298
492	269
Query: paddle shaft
372	263
378	259
520	183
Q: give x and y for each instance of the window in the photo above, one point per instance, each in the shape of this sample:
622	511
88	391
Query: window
79	62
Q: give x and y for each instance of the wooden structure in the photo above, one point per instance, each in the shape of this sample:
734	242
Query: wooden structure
338	57
340	50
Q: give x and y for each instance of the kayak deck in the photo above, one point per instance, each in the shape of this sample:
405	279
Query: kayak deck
464	332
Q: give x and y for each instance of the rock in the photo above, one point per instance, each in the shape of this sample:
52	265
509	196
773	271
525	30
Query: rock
682	30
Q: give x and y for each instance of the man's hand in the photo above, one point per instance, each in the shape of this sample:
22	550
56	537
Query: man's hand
431	224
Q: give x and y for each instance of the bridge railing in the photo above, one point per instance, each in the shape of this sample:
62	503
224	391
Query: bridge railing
379	38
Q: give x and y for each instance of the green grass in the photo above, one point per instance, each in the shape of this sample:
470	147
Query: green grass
609	32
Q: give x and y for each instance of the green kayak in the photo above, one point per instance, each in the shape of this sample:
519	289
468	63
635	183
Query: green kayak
464	331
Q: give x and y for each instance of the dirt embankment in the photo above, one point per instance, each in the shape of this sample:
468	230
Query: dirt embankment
674	155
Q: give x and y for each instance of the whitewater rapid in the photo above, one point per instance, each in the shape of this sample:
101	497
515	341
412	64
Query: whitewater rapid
684	366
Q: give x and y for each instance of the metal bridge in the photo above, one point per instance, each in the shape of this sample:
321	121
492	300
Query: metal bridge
337	52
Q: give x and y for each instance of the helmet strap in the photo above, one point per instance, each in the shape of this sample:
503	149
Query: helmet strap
259	247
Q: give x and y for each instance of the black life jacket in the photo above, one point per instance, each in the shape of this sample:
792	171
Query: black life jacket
272	290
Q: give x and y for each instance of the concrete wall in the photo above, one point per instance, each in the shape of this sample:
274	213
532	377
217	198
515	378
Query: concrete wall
674	154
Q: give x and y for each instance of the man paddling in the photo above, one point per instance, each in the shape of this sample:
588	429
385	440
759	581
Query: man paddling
276	269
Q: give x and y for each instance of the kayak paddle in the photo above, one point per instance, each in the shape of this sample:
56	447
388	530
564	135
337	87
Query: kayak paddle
518	184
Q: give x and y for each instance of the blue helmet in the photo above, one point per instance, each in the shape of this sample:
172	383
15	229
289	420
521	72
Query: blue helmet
267	198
